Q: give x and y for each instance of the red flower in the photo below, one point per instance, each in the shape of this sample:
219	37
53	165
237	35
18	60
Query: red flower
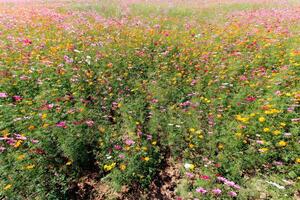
250	99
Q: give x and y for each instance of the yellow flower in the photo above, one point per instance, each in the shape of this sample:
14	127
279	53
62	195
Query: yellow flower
282	124
189	166
263	150
282	143
144	148
192	130
5	133
101	130
21	157
45	125
191	145
146	158
242	119
18	143
266	130
30	166
69	163
220	146
44	116
31	127
276	132
238	135
7	187
154	143
122	167
261	119
109	167
298	160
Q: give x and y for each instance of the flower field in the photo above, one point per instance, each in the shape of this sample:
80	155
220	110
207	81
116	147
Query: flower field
136	99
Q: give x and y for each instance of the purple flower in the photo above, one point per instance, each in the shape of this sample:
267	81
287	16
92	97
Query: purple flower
20	137
3	95
201	190
217	191
190	175
232	194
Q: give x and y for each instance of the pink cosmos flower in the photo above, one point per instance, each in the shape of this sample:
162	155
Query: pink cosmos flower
201	190
229	183
216	191
34	141
232	194
129	142
2	149
20	137
68	59
122	156
89	123
3	95
117	147
236	186
27	41
222	179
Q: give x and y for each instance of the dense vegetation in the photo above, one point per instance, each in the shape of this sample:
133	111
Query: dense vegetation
128	92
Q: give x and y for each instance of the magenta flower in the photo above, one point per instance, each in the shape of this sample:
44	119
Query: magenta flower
3	95
117	147
232	194
201	190
17	98
61	124
216	191
27	41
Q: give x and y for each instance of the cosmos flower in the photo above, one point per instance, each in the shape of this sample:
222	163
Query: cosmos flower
3	95
201	190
